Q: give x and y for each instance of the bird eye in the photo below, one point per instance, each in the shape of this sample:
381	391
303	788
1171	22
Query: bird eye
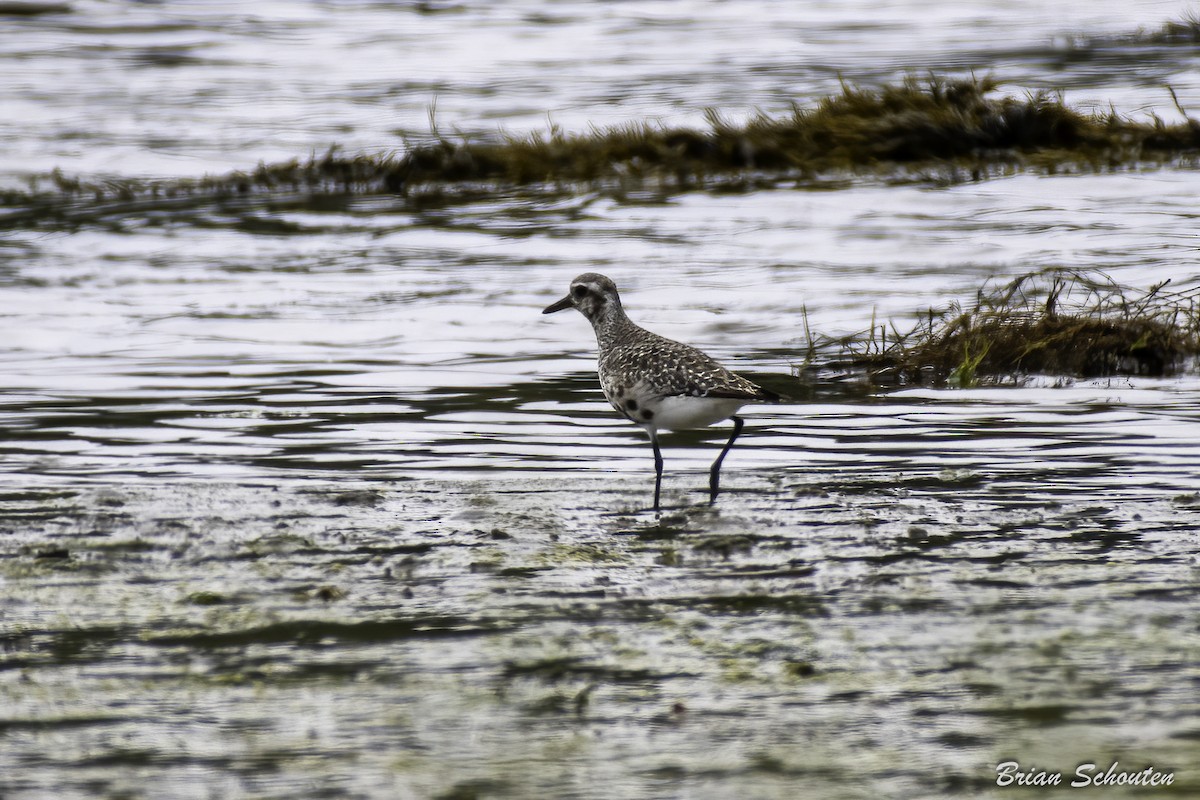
579	290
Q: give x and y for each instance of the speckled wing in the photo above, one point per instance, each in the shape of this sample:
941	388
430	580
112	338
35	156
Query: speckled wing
674	369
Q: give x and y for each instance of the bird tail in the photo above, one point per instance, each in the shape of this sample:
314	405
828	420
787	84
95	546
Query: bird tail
768	396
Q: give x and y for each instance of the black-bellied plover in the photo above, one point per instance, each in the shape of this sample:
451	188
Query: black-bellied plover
655	382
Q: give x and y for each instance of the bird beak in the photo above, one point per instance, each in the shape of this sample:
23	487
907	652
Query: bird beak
559	306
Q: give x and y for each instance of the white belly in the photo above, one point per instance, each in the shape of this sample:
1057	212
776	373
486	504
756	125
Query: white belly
684	413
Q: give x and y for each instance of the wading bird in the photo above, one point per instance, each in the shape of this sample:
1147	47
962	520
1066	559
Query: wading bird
655	382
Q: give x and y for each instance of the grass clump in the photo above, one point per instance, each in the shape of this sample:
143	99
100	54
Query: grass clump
945	129
1184	31
911	125
1052	322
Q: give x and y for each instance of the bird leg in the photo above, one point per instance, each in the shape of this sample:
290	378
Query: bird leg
714	477
658	465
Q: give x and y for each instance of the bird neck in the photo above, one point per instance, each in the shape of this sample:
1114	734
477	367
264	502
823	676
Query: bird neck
610	324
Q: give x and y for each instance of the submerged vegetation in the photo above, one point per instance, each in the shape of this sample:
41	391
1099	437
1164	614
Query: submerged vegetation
945	130
1052	322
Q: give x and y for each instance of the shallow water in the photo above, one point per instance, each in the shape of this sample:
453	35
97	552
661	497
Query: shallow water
307	498
187	88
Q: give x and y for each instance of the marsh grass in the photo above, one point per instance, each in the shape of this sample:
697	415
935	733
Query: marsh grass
955	129
1058	322
931	130
1184	31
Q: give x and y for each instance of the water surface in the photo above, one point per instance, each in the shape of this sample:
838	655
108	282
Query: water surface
307	498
